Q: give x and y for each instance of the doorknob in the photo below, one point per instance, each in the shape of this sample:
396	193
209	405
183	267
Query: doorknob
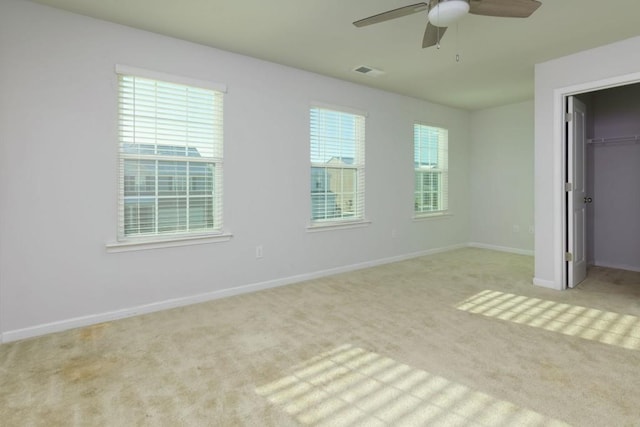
588	200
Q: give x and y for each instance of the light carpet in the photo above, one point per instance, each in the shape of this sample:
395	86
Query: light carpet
458	338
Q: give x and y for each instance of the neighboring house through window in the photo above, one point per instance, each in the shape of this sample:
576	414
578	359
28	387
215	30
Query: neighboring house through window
337	166
170	151
431	170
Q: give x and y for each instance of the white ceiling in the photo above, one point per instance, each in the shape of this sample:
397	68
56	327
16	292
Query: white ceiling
497	54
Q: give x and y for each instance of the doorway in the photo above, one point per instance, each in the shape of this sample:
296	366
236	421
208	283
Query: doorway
602	171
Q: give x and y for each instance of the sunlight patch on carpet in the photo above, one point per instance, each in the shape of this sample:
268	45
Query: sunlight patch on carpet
607	327
350	386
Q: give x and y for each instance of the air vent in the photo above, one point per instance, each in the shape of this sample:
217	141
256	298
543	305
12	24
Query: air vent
369	71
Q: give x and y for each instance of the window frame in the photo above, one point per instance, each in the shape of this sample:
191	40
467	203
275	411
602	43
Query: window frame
357	166
441	170
205	234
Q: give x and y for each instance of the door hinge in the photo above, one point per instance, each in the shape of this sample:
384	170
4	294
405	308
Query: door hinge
568	117
568	186
568	256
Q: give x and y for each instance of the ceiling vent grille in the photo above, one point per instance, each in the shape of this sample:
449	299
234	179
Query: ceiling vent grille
369	71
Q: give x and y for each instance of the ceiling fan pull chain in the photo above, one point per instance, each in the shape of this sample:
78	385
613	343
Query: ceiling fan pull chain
457	44
438	30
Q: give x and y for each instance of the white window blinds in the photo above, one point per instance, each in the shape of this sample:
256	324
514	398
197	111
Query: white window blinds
337	166
170	156
431	170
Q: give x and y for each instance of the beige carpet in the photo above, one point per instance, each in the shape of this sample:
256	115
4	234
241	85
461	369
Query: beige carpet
458	338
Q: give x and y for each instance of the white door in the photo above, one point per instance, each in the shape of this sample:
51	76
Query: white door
576	202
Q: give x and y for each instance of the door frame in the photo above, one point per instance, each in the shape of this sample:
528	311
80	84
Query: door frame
560	96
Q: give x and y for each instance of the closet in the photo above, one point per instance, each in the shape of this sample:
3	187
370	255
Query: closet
613	177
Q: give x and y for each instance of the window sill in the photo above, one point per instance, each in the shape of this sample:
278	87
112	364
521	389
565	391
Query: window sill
438	215
172	242
329	226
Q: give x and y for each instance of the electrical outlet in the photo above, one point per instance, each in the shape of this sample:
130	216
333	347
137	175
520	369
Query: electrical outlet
259	251
516	228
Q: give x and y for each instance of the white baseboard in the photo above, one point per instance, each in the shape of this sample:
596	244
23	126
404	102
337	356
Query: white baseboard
547	284
501	248
617	266
78	322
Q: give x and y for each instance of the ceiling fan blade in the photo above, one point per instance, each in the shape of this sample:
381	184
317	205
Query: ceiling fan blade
432	35
392	14
504	8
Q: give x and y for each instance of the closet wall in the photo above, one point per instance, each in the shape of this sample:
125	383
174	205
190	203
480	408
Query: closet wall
614	178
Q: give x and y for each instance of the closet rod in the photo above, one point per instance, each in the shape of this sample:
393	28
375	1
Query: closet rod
613	139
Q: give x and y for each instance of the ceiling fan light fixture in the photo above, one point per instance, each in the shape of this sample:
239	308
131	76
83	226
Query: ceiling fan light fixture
446	12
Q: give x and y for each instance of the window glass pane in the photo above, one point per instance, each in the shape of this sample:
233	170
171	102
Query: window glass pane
337	171
343	185
172	178
200	213
324	206
201	178
160	123
139	216
427	142
139	178
171	150
319	180
172	214
431	169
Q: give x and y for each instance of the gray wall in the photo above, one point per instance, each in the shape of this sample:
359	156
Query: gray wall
615	179
58	176
502	178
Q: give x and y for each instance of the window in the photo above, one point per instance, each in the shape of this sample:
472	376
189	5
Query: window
431	170
337	166
170	155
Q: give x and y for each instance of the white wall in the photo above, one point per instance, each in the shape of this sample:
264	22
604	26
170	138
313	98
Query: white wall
58	175
609	65
615	172
502	177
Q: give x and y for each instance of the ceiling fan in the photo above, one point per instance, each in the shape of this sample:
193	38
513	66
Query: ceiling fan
443	13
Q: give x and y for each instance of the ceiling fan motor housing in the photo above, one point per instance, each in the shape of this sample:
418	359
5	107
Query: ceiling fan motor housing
446	12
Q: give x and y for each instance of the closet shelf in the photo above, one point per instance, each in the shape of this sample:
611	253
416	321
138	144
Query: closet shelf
614	139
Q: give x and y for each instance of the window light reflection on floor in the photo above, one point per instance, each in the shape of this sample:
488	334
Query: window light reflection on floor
589	323
351	386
